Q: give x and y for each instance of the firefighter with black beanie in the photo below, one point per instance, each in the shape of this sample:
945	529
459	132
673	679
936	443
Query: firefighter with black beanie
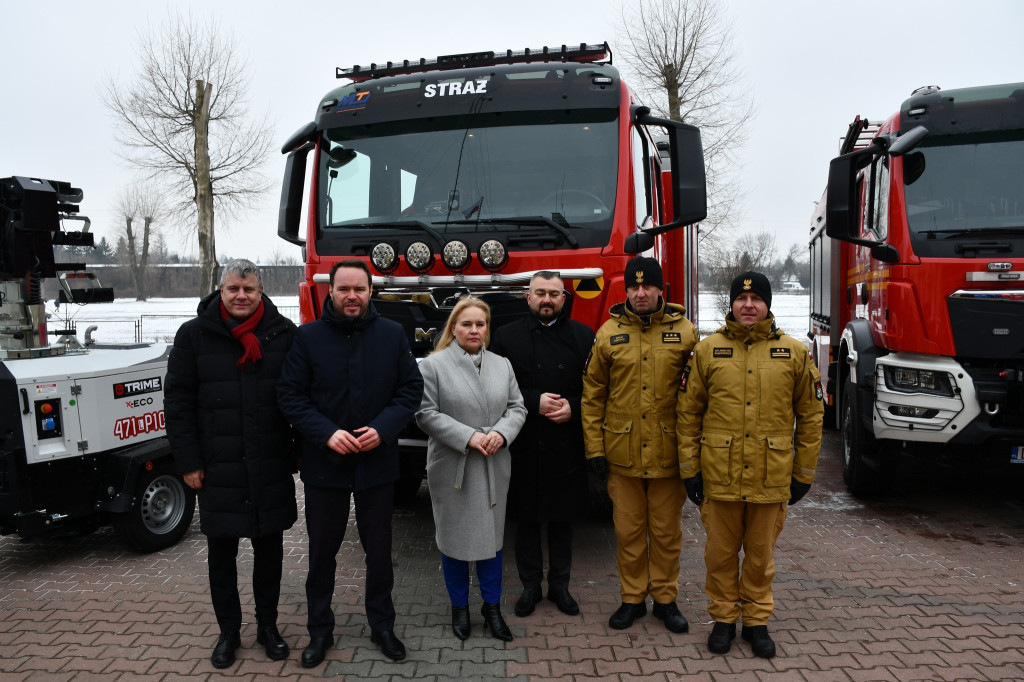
749	421
630	384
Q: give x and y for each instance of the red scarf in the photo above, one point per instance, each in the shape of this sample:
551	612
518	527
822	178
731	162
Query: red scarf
243	332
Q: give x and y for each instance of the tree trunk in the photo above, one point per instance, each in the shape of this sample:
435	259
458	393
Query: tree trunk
137	268
140	280
208	266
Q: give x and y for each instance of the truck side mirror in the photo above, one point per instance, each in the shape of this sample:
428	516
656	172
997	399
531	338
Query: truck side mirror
290	212
842	198
686	159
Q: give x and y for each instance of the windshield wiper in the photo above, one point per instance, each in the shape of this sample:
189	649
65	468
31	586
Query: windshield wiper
401	225
973	232
525	220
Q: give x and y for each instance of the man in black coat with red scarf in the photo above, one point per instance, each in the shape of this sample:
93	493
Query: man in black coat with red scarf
548	352
234	447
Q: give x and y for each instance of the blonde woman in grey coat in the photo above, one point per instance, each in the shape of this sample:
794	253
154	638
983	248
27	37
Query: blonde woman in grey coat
471	410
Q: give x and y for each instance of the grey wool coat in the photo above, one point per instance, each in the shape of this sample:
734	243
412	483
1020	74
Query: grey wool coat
467	489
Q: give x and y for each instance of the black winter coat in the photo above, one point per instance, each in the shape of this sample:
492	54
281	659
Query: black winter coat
549	473
347	373
224	419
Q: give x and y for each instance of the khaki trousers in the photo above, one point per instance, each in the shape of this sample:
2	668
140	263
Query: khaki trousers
755	528
647	513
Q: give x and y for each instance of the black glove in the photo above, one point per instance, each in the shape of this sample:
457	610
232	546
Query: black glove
599	467
695	489
797	490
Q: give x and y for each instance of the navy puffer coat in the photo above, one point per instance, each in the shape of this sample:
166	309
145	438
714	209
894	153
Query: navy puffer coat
225	420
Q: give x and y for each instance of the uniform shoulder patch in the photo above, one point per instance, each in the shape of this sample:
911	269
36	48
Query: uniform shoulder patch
782	352
721	353
819	392
685	377
671	337
618	339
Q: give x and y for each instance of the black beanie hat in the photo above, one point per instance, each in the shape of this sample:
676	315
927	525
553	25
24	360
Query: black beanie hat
643	270
751	281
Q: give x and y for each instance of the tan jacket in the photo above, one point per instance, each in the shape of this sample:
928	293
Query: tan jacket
629	390
743	390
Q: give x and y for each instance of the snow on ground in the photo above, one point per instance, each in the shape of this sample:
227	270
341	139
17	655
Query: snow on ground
127	320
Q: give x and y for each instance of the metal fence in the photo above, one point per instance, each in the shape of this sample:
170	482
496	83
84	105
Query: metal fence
141	329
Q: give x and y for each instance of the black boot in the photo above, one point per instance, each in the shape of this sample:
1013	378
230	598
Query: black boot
314	654
273	643
674	621
760	643
224	651
626	614
720	639
494	622
460	622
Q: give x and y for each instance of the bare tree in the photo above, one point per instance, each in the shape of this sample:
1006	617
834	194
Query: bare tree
680	53
182	121
145	204
749	252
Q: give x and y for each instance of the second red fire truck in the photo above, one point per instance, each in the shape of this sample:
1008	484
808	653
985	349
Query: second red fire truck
917	295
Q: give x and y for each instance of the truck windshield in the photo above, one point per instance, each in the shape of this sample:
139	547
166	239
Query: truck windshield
458	170
965	186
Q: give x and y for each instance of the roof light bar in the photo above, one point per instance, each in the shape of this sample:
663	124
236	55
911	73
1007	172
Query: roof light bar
564	53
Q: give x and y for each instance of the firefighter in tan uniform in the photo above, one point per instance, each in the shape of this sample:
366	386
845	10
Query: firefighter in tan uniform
749	424
629	428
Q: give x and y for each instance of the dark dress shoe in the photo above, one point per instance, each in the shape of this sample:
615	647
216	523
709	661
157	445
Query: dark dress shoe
460	622
674	621
760	643
313	655
273	643
389	645
626	614
720	639
564	601
495	623
528	601
224	651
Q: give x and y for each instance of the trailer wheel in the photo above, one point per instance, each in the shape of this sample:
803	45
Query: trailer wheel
163	511
860	479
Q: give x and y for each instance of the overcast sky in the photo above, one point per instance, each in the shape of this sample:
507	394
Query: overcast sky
810	65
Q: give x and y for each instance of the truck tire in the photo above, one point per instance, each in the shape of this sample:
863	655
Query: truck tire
163	511
858	443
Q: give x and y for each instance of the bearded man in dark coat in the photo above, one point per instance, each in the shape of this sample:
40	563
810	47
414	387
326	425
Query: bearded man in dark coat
234	447
548	352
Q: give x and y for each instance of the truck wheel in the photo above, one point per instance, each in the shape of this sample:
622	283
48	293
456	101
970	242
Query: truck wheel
163	511
860	479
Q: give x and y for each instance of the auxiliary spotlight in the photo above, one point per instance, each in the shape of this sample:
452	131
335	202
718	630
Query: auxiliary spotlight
383	258
420	257
492	255
456	256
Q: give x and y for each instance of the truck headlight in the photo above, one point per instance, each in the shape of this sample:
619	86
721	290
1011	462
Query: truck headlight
908	380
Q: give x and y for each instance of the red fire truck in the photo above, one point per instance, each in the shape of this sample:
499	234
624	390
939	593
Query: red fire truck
470	172
917	298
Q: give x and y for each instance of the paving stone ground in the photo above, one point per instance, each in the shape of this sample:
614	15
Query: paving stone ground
920	585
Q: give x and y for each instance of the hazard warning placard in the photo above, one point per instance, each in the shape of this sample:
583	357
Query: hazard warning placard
587	288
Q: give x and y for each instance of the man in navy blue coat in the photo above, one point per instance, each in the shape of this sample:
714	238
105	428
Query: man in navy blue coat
349	386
